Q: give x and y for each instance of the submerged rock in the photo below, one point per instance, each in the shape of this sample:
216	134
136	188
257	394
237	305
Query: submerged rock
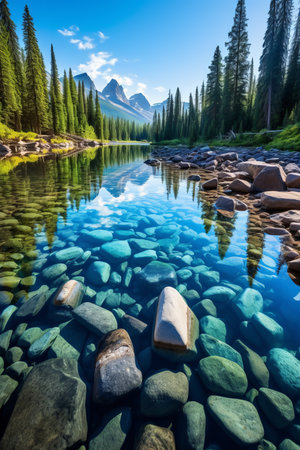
156	276
164	393
254	365
154	437
50	409
96	237
191	426
112	431
116	373
95	318
285	370
214	347
176	327
98	273
68	297
222	376
277	407
213	326
116	251
238	418
247	303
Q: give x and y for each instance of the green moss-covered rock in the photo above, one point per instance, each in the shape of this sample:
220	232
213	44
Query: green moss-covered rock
9	282
190	428
155	438
277	407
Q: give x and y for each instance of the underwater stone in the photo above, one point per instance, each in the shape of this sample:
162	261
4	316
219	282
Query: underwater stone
155	276
112	431
7	387
277	407
10	282
52	272
145	257
219	294
214	347
116	374
96	237
116	251
67	254
6	316
31	308
238	418
205	308
213	326
285	369
247	303
254	365
95	318
143	244
98	273
43	343
29	336
176	327
191	424
69	295
154	437
269	330
164	393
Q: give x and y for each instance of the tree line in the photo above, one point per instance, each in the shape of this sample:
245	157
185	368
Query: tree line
29	101
232	99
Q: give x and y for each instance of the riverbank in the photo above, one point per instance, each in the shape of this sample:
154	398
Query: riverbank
247	178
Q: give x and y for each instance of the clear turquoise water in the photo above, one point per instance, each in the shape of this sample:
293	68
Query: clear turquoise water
102	189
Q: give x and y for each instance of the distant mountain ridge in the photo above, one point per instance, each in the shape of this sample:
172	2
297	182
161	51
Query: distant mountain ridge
114	103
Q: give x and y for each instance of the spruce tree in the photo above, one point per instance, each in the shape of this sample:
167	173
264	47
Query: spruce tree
91	109
36	109
236	70
8	102
74	95
16	62
177	113
98	120
214	95
250	98
291	96
70	125
56	100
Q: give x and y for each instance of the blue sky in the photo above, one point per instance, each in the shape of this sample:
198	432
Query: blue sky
148	46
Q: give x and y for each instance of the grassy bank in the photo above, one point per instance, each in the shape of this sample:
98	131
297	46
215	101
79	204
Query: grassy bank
288	139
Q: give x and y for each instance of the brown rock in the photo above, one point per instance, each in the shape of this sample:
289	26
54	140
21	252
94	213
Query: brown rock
294	265
285	218
253	167
225	203
277	231
241	186
293	180
116	374
153	437
210	184
270	178
273	200
70	294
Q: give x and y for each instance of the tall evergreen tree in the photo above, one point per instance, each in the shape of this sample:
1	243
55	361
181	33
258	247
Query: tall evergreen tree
36	103
291	96
15	56
91	109
236	70
214	95
8	102
250	98
74	95
70	124
56	100
177	113
98	120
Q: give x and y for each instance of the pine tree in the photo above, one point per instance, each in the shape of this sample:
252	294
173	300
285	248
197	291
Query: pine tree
74	95
91	109
291	96
98	120
56	100
236	69
177	112
214	94
16	62
106	128
82	120
36	104
250	98
8	102
70	124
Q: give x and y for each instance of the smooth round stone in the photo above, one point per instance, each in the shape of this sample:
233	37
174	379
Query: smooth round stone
43	343
7	387
67	254
184	274
164	393
288	444
9	282
31	308
143	244
28	281
191	425
214	347
98	273
277	407
95	318
116	373
285	370
16	369
6	315
247	303
69	295
112	431
238	418
96	237
13	355
5	341
116	251
54	271
145	257
220	294
155	276
222	376
205	308
214	327
270	331
113	300
209	277
5	298
29	336
154	437
254	366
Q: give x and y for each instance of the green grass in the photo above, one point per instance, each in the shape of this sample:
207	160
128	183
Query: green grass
7	134
288	139
8	164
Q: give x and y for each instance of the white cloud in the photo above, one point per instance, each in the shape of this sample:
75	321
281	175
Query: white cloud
160	89
71	31
102	36
85	44
96	62
142	87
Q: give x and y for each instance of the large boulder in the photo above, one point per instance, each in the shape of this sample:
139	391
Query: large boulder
50	411
116	373
241	186
238	418
274	200
293	180
176	327
164	393
224	203
253	168
271	178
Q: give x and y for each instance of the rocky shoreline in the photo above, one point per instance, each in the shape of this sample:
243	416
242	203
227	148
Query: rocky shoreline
264	181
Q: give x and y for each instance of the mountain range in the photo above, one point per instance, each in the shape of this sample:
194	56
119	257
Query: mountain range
114	103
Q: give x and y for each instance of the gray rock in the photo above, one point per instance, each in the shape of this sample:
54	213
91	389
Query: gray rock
50	409
112	431
95	318
5	341
69	343
191	425
155	276
277	407
67	255
254	365
98	273
116	373
43	343
219	294
288	444
96	237
164	393
247	303
271	178
116	251
31	308
7	387
285	369
269	330
54	271
214	327
238	418
214	347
